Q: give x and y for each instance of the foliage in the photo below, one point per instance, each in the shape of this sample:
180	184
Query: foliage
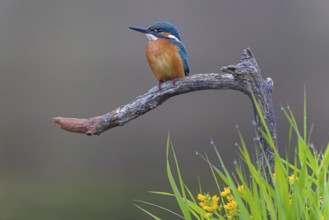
299	191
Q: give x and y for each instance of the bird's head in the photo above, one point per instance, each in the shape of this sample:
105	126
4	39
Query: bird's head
159	30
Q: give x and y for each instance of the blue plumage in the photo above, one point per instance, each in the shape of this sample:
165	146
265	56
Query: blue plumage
183	54
165	27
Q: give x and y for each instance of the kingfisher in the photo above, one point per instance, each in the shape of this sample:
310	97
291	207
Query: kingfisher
165	53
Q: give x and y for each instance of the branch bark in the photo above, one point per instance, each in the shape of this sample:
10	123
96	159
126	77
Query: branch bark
245	77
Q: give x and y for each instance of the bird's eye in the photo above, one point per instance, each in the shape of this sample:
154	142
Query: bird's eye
153	29
156	30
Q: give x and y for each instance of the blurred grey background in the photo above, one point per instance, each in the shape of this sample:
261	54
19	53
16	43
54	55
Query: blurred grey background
79	59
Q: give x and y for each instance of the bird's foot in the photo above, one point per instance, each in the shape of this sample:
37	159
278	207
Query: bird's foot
159	85
174	81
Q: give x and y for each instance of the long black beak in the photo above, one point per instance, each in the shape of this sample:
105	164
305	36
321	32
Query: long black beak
141	29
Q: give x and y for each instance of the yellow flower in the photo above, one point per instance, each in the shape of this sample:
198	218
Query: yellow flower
208	203
231	206
229	198
226	191
241	189
208	215
215	198
274	176
211	208
201	197
292	178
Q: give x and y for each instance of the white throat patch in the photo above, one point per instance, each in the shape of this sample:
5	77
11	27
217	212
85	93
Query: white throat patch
151	37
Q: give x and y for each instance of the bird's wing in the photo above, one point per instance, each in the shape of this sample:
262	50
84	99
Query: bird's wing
183	54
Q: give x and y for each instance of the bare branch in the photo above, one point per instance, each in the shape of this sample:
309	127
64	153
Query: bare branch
245	77
146	102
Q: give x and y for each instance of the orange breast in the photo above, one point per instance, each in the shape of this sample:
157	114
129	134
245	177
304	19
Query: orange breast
164	60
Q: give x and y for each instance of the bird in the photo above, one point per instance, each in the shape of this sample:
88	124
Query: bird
165	53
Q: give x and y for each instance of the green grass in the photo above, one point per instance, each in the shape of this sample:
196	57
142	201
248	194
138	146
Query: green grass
299	191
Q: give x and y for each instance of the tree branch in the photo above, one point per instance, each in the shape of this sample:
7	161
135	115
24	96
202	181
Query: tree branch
146	102
245	77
